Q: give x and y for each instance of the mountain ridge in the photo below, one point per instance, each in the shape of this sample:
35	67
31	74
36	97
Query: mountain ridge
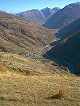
64	16
38	16
18	35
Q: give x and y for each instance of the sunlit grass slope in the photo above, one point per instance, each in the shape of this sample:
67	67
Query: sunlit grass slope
27	82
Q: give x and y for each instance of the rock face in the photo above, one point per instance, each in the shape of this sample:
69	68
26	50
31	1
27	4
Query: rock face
64	16
38	16
19	36
66	51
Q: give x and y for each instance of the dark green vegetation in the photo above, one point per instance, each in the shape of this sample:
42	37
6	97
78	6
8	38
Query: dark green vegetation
70	29
67	53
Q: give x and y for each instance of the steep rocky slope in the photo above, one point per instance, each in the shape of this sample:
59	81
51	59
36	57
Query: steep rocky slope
33	15
19	36
64	16
37	16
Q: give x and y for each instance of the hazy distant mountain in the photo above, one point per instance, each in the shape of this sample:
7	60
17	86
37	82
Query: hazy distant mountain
66	51
64	16
48	11
33	15
19	36
38	16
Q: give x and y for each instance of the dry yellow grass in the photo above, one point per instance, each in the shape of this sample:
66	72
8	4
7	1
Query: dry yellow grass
19	64
17	89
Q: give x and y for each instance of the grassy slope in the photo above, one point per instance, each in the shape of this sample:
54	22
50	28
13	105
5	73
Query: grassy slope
19	64
17	89
19	36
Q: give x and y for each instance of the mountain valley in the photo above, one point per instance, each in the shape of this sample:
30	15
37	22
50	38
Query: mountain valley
40	57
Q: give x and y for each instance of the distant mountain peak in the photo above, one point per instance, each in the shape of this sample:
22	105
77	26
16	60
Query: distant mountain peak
38	16
64	16
46	8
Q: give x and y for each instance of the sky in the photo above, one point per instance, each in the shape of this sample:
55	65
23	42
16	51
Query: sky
15	6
